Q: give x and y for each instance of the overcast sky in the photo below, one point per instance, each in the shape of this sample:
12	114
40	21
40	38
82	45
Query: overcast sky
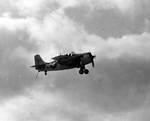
117	31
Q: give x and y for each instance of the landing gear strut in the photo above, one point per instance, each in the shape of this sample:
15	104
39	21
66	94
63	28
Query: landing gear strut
45	73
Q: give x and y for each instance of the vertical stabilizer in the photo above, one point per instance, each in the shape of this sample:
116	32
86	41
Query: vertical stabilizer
38	60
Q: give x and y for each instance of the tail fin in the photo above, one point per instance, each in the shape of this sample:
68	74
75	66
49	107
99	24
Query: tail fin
38	60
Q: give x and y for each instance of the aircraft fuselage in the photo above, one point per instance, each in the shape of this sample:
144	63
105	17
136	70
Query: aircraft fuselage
63	62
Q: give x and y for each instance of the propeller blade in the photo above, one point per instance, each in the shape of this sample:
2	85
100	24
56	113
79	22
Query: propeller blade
94	56
92	59
92	63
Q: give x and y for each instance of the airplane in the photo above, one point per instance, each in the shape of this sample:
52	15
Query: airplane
66	61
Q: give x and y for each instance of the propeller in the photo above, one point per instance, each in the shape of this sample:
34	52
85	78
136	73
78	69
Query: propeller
92	58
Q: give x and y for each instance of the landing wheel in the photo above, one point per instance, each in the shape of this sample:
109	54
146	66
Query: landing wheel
45	73
86	71
81	71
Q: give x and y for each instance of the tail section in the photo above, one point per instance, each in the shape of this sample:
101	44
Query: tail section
40	65
38	60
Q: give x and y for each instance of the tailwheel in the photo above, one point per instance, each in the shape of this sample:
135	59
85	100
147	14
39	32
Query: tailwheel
45	73
86	71
81	71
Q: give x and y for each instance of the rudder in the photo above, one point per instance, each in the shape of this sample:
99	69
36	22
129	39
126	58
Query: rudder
38	60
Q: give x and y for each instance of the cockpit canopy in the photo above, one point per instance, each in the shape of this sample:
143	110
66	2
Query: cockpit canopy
62	56
72	53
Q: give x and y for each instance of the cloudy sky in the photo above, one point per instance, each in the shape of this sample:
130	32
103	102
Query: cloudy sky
117	31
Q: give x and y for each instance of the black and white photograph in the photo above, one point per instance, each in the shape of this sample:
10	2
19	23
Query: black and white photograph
74	60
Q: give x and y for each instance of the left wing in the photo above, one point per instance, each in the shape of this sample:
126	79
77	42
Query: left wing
69	60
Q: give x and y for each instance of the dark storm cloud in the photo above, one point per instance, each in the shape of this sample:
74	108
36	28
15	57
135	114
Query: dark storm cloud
110	22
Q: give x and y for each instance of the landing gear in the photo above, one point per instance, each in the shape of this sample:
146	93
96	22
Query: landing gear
86	71
45	73
83	70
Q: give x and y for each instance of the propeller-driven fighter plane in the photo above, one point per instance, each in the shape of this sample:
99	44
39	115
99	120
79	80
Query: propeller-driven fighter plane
66	61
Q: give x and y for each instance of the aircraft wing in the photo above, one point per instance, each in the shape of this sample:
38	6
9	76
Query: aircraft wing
59	57
68	60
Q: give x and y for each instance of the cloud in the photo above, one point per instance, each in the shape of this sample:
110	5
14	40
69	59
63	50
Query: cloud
21	38
132	45
128	7
28	7
116	89
121	5
39	104
16	51
39	36
12	24
110	22
41	7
